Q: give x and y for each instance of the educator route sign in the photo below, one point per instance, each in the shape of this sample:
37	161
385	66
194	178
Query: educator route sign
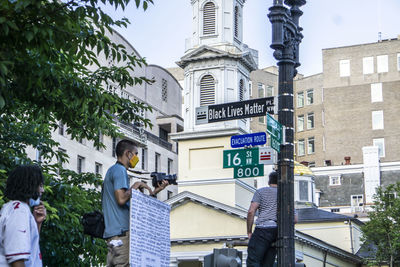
235	110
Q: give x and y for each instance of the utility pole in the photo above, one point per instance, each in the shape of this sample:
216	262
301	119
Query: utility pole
286	37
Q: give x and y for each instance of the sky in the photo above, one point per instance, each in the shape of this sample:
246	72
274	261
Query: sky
159	33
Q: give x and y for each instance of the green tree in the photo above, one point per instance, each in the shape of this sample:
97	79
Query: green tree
50	72
383	229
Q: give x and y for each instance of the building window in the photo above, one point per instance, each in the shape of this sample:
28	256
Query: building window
98	168
59	161
241	90
300	99
100	139
114	145
303	190
80	164
356	203
376	92
144	159
310	97
380	143
377	120
163	134
368	65
310	145
261	93
261	119
157	162
170	166
164	90
382	62
300	123
61	129
269	90
344	68
301	147
207	90
335	210
209	18
334	180
236	22
82	140
310	121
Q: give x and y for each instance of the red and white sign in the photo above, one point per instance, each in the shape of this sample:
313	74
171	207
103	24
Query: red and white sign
266	156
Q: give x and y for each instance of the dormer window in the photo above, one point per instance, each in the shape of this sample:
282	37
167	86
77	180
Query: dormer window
209	19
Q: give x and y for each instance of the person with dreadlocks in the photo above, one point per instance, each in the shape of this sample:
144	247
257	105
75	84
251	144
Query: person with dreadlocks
19	228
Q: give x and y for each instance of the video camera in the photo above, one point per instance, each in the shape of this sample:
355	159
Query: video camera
158	177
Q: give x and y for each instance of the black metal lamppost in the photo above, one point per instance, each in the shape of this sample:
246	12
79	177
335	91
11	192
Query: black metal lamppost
286	37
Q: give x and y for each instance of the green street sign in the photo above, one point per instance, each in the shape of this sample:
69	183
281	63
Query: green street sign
275	144
248	171
274	128
240	157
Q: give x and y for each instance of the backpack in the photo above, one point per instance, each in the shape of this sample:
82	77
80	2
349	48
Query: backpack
93	224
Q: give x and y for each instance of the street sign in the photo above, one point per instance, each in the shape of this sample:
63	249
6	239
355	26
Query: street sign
248	171
240	157
275	144
266	156
235	110
253	139
274	128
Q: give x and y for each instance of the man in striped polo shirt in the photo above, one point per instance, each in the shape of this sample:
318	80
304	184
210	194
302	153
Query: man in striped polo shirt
259	251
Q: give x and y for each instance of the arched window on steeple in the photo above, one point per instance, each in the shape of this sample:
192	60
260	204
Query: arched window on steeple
209	18
241	90
236	22
207	90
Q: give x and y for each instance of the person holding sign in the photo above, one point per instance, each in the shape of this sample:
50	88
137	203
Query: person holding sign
260	250
115	202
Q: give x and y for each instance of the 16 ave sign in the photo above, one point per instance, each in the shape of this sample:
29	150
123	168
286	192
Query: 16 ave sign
235	110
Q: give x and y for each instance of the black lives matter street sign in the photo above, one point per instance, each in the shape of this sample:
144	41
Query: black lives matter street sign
235	110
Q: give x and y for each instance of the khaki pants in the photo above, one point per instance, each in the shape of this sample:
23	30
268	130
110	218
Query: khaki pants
118	256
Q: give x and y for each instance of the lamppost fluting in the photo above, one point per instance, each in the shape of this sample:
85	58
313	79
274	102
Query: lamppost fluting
286	37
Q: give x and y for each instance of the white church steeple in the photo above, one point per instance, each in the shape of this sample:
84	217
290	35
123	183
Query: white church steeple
217	66
217	63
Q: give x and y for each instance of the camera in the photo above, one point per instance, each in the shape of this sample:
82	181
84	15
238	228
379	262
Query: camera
158	177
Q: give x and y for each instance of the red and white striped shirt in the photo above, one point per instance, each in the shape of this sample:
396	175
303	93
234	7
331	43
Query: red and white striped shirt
19	236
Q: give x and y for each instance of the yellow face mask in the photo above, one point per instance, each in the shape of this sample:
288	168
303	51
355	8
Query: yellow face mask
133	161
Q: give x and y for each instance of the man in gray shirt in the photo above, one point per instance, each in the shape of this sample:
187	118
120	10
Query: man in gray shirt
259	251
115	202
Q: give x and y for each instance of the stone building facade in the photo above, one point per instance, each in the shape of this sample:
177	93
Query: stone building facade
157	152
356	101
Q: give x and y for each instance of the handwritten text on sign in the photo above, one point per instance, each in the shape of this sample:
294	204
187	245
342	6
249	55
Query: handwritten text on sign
149	232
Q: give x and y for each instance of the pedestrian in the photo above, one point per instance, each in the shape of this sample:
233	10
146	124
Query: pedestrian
19	227
260	251
115	201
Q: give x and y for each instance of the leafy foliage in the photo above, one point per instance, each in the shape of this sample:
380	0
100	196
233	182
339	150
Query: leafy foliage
383	229
49	72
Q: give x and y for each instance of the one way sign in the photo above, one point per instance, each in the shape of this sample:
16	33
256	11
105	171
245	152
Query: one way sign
266	156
